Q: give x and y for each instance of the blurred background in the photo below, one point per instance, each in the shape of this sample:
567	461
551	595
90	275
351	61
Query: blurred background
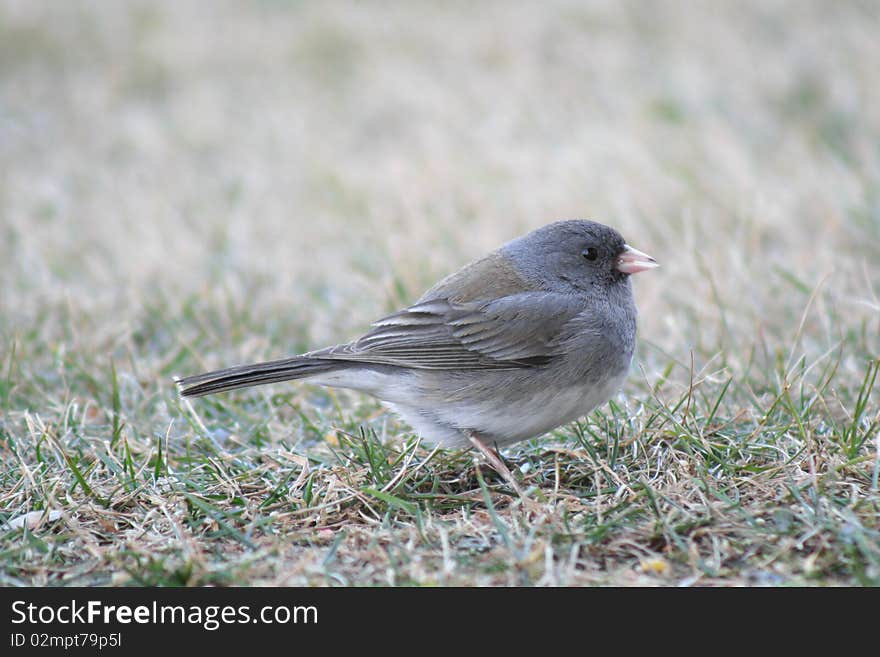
250	179
190	185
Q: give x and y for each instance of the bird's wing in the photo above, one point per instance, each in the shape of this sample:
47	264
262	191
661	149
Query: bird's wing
520	330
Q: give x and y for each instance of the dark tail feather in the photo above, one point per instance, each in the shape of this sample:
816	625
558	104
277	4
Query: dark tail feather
243	376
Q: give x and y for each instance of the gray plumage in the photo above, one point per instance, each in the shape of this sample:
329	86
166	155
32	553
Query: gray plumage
529	337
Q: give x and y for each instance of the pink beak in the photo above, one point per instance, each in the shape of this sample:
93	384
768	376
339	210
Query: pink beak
632	261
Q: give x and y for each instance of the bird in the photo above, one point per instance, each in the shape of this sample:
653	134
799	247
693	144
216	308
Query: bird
531	336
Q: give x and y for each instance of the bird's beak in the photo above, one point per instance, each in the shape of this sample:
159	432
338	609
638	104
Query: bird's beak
632	261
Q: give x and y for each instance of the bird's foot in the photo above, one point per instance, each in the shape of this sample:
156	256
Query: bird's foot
495	461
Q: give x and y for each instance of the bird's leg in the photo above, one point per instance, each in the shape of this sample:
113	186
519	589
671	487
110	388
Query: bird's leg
495	461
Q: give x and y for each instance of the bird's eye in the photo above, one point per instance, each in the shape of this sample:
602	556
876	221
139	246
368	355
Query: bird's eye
591	254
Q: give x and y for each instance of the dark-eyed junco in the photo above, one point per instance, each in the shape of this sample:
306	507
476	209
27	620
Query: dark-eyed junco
533	335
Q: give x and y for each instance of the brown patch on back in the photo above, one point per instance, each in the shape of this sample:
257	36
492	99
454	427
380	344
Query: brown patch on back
490	277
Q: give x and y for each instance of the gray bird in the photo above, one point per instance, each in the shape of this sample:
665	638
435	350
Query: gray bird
529	337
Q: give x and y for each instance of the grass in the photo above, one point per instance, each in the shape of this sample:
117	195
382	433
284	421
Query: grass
188	188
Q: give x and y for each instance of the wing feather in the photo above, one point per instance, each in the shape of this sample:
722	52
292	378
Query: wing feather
520	330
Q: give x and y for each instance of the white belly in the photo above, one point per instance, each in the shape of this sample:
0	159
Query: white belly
444	421
530	417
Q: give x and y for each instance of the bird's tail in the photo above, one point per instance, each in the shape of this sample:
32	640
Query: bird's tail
255	374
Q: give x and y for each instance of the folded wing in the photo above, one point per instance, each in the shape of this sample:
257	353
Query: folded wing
516	331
